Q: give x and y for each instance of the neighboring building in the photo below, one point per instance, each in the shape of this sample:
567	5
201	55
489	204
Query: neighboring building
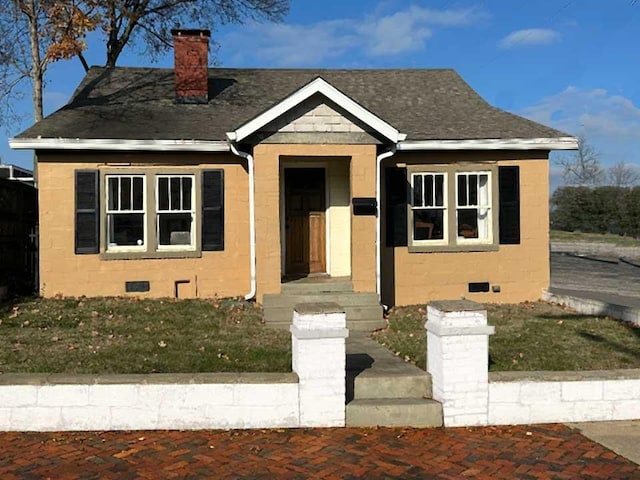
18	230
200	182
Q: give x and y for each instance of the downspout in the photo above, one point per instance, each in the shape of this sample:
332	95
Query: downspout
252	218
380	158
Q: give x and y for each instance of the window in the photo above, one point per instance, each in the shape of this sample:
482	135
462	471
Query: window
451	208
473	207
125	209
175	212
429	207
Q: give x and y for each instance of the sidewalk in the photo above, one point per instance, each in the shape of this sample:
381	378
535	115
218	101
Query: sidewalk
522	452
621	437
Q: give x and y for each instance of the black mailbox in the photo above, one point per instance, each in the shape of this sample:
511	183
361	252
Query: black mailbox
365	206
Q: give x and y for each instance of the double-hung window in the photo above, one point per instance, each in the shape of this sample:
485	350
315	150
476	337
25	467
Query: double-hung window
429	208
473	207
175	212
126	215
452	208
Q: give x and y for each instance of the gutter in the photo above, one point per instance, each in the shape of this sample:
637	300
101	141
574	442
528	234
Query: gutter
252	218
380	158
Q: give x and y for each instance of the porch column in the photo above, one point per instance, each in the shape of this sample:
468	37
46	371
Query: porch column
458	360
318	352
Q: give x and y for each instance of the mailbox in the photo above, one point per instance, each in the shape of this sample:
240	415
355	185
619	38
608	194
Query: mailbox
365	206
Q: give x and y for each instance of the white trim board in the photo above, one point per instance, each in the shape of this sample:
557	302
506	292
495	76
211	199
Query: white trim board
118	144
319	85
559	143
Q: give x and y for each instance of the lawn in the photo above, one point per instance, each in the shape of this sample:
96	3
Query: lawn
529	336
560	236
118	335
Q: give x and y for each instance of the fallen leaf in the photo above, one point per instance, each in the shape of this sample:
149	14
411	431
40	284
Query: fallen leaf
162	344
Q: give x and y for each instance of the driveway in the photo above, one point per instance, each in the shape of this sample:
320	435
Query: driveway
523	452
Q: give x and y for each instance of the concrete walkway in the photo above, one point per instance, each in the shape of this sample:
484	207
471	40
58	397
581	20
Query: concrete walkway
621	437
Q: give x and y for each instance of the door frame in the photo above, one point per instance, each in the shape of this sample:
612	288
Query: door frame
327	210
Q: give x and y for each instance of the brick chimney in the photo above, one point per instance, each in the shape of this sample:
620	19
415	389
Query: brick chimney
191	49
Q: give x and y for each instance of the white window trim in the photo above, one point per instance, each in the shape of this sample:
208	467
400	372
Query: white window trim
444	208
476	241
126	248
176	248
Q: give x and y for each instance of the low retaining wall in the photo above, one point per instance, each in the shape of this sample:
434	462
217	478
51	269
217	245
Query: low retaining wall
148	402
551	397
313	395
458	337
590	306
593	248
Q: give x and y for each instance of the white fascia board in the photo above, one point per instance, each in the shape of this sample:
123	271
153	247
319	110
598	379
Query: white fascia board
321	86
118	145
559	143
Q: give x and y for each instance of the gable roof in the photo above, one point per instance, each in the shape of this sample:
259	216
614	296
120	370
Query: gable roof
138	104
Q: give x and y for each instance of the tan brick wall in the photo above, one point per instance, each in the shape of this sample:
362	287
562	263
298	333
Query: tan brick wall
224	273
522	271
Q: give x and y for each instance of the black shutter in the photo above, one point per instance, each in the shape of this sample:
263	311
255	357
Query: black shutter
87	214
396	207
213	210
509	191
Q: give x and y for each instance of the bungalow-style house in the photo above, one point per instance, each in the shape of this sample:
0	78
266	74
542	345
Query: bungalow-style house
198	182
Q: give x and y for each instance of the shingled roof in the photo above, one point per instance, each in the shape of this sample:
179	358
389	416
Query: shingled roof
139	104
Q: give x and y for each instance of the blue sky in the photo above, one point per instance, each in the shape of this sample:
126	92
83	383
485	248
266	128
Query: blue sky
573	65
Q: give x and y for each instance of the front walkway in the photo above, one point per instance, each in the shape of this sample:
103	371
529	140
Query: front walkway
553	451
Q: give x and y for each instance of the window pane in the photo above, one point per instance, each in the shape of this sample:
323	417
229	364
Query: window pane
174	228
473	190
174	198
462	190
113	193
186	193
439	190
138	193
484	189
126	229
468	222
428	224
163	193
125	193
417	191
428	190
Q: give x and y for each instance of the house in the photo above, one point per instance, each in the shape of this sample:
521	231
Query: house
198	182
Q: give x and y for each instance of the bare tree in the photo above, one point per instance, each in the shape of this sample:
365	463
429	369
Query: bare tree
622	175
34	33
582	168
126	21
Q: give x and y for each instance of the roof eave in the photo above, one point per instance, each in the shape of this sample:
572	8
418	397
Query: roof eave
551	143
115	144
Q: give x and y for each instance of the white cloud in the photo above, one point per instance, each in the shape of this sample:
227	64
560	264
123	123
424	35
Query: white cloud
610	122
377	34
528	37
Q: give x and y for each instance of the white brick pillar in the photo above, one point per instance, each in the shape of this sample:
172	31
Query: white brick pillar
318	338
458	360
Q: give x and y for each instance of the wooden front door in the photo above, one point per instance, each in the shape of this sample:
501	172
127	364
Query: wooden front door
305	238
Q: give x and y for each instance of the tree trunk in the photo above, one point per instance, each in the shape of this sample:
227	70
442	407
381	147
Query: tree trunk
37	68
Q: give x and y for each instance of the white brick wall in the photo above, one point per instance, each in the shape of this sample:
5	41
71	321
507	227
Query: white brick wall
528	402
313	397
54	407
457	358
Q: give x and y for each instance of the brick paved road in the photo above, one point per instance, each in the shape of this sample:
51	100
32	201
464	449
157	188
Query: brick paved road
549	452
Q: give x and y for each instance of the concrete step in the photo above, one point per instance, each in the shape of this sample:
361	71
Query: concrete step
353	326
394	412
302	288
392	386
344	299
